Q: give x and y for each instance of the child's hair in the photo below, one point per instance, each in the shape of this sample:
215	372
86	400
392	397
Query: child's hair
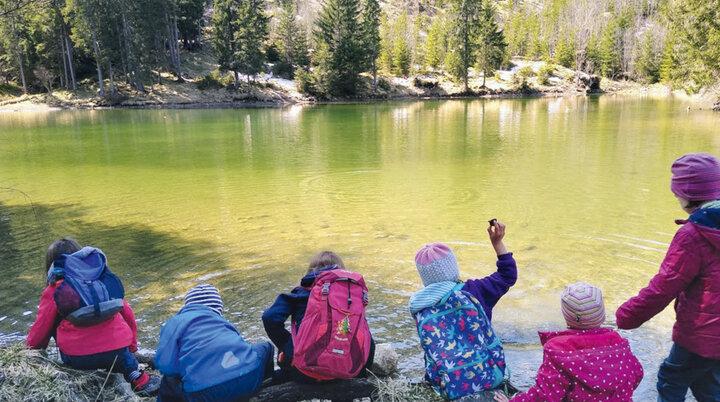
66	245
325	259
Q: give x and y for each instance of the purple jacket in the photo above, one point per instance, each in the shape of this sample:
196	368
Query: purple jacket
491	288
690	274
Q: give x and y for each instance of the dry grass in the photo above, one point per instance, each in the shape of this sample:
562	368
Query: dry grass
29	375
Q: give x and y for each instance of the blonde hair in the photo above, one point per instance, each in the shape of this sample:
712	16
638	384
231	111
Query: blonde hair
325	259
66	245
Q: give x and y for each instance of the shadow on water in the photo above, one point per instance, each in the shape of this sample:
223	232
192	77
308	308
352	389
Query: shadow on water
153	266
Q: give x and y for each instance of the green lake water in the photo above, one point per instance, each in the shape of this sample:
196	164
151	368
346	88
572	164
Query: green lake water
242	199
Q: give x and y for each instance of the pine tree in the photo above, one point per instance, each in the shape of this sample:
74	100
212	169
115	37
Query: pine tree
435	44
386	44
667	63
371	36
291	43
491	41
401	53
250	34
464	27
647	66
565	52
338	29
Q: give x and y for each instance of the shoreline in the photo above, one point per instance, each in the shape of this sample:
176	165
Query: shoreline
35	103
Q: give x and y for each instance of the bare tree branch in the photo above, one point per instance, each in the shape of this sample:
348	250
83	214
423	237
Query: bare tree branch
10	6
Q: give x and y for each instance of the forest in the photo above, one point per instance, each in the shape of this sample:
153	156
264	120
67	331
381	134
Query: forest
327	46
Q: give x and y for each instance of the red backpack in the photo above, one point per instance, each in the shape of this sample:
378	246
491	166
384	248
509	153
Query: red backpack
334	338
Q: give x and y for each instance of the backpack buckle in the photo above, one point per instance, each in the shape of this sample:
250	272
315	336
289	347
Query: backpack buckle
325	289
366	298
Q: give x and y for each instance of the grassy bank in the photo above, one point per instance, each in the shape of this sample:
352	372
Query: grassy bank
32	375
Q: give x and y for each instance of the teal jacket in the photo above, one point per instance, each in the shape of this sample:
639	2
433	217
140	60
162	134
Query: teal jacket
203	348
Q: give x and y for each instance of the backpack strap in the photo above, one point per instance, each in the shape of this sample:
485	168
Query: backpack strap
457	287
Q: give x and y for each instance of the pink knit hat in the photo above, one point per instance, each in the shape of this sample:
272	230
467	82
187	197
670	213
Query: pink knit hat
696	177
436	263
582	305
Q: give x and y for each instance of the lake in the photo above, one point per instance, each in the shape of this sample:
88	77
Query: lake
243	198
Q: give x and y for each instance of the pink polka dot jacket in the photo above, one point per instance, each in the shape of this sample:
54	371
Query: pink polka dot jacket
585	365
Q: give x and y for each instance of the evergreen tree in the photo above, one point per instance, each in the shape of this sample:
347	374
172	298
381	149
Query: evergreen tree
647	67
435	44
667	63
491	41
401	53
371	35
225	21
386	44
338	29
291	43
565	52
695	24
250	34
464	32
189	20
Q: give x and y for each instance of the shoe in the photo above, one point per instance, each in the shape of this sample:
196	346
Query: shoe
146	385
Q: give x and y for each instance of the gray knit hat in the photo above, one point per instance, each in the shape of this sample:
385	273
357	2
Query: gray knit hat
205	294
436	263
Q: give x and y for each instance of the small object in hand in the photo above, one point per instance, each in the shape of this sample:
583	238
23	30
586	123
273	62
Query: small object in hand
492	221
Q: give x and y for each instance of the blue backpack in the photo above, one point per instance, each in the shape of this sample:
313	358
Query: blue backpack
90	293
462	353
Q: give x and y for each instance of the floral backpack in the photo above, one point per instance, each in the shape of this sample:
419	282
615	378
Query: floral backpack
333	340
462	353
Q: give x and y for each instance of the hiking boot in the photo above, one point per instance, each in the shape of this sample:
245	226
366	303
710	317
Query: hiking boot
146	385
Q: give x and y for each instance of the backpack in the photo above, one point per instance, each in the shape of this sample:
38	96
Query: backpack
90	293
462	353
333	340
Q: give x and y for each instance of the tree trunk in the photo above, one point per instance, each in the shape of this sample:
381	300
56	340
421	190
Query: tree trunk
19	56
248	83
71	67
374	68
96	50
64	82
175	43
236	77
112	80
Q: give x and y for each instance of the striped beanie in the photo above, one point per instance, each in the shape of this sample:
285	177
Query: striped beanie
205	294
436	263
582	305
696	177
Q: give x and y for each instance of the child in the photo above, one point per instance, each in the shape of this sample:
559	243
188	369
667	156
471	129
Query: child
462	353
109	344
204	358
690	274
585	362
294	305
439	272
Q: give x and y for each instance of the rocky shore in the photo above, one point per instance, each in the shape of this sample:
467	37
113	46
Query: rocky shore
524	79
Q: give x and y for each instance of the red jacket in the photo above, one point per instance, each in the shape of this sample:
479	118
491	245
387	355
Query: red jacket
116	333
585	365
690	273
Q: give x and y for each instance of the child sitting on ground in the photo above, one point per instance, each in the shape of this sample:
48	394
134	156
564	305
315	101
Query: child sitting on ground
585	362
294	305
108	344
462	353
204	358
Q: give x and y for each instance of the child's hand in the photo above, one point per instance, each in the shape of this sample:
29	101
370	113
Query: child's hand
497	232
500	397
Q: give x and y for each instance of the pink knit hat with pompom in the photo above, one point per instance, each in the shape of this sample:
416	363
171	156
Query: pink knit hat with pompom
436	263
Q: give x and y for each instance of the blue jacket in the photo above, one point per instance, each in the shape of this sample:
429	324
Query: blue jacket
289	304
203	348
